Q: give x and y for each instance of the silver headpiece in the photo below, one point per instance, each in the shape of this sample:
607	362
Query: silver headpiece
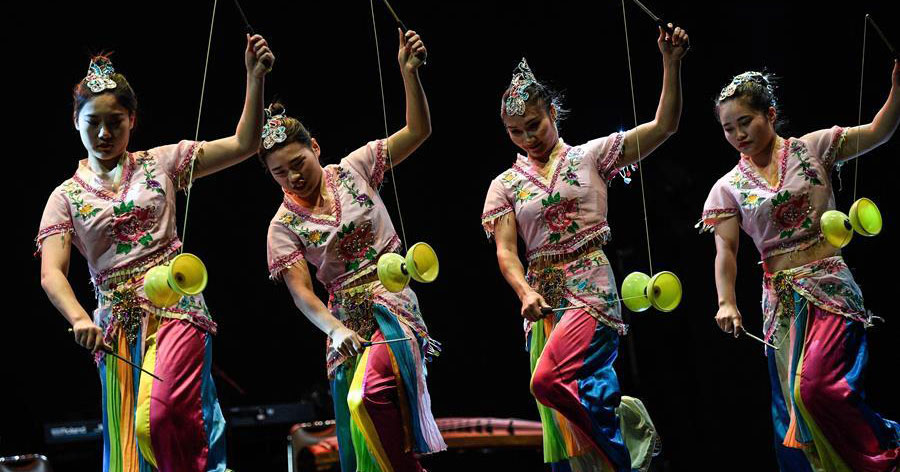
97	78
522	78
738	80
273	131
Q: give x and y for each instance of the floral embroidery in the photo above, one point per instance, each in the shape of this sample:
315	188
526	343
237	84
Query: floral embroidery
131	226
355	244
346	179
508	178
559	214
149	165
586	286
570	176
738	181
82	210
806	170
791	212
191	304
314	237
751	201
523	194
581	281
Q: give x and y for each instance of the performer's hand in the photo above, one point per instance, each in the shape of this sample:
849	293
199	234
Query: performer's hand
347	342
532	303
673	46
729	320
258	57
88	335
412	52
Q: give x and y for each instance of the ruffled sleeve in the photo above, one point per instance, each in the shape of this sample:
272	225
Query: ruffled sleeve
825	144
604	153
176	160
720	205
57	219
496	204
283	248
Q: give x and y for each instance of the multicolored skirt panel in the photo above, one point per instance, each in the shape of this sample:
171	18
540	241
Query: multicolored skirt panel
381	402
588	425
170	425
821	420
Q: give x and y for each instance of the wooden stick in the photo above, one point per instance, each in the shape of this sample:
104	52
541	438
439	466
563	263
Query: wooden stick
371	343
759	339
548	311
396	18
244	17
655	18
883	37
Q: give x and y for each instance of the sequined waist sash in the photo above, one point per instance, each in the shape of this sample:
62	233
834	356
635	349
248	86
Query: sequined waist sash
107	279
126	306
826	283
542	258
355	307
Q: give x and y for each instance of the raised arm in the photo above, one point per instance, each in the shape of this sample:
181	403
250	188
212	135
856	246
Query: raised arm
651	134
864	138
299	283
226	152
55	255
511	267
411	56
728	316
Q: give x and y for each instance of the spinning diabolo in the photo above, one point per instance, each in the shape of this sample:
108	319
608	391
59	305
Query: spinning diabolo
420	263
838	228
662	291
184	275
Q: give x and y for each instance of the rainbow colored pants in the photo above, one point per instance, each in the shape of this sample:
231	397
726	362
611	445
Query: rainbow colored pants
579	401
173	425
382	406
818	406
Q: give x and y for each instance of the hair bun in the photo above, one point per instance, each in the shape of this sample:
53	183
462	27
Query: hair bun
276	108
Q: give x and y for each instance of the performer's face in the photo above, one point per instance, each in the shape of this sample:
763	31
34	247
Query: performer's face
296	168
105	127
534	132
750	131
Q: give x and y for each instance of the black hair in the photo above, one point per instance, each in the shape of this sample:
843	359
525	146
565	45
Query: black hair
757	89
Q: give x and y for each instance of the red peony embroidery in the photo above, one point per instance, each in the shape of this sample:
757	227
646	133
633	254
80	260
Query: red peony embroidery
791	212
560	216
131	226
355	244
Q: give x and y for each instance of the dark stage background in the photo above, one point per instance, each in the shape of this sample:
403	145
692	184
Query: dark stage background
708	393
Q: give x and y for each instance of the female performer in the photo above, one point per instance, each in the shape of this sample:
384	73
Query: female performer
555	198
119	211
812	308
334	219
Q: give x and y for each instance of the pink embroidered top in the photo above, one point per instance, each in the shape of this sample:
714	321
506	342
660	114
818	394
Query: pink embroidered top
561	208
784	217
563	205
124	232
345	245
